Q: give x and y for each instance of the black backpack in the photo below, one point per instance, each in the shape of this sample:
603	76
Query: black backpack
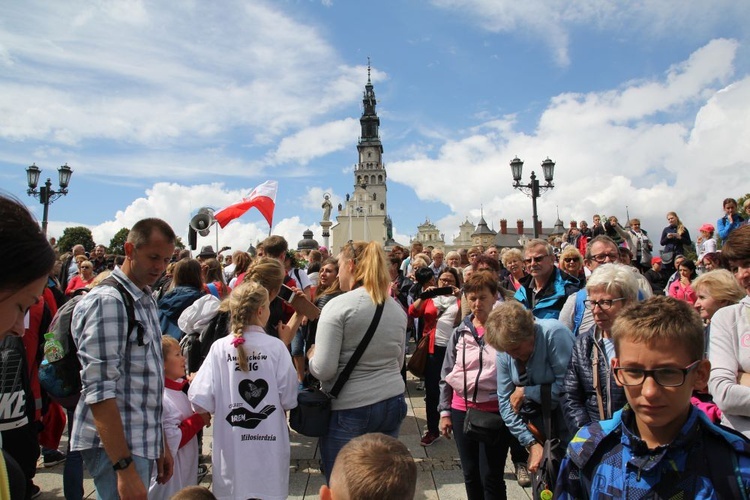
62	379
196	345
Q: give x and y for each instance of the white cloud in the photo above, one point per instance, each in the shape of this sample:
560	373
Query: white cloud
553	21
149	74
612	152
314	142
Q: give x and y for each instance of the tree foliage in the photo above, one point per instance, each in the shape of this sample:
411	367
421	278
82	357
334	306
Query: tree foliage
117	243
740	201
78	235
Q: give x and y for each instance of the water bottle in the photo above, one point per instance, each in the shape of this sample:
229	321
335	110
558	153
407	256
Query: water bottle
53	349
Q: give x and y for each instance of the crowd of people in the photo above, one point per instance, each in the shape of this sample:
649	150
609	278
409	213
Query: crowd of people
641	355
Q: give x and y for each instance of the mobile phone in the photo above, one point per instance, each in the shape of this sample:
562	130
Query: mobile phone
286	294
443	290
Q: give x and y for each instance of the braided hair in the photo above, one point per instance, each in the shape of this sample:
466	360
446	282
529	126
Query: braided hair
244	302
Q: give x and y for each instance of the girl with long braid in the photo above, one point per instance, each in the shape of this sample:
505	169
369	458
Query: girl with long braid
248	382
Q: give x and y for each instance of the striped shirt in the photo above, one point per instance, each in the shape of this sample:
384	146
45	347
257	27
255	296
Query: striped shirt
115	366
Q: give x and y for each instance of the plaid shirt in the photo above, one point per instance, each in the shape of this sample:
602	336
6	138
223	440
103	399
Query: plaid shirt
115	366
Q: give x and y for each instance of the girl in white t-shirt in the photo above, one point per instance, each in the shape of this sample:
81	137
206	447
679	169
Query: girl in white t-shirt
181	424
248	382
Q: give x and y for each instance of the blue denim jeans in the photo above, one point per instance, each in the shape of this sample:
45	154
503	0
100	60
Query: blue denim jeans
105	478
73	471
385	416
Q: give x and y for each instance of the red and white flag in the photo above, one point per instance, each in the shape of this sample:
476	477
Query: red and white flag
262	197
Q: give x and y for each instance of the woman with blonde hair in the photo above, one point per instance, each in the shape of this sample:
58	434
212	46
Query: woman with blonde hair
270	274
571	261
714	290
372	400
513	262
258	385
83	279
328	288
674	238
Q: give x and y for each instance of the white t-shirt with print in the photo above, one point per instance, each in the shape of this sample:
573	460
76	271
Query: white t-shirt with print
250	438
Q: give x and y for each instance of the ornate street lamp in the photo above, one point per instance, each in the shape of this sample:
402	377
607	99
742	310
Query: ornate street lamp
45	193
533	189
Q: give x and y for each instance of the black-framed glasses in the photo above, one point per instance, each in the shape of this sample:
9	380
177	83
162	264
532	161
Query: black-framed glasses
449	281
603	304
570	260
532	260
601	258
665	377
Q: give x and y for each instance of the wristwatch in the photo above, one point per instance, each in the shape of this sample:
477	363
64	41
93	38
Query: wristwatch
123	463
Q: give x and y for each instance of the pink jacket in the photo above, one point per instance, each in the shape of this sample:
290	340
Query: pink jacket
452	385
686	293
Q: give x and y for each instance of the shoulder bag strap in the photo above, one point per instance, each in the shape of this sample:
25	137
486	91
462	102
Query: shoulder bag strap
479	373
129	306
597	385
547	409
463	355
349	368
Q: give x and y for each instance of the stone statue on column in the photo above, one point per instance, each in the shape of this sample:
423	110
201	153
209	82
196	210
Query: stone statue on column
327	206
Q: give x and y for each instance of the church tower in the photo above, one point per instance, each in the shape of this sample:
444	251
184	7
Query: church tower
364	217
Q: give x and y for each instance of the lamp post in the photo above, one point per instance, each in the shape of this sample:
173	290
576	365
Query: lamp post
45	193
533	188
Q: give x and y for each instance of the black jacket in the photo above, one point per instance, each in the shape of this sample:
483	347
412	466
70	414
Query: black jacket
580	406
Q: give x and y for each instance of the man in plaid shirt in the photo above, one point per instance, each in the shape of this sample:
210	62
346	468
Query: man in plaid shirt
118	421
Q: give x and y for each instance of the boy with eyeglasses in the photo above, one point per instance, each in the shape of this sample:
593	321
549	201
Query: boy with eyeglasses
658	445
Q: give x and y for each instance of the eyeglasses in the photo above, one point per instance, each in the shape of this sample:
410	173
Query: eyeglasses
531	260
449	281
665	377
570	260
604	304
602	257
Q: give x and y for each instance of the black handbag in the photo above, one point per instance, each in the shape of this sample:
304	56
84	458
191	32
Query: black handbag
313	412
482	426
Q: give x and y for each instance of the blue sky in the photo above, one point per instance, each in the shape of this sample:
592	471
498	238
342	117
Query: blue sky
161	108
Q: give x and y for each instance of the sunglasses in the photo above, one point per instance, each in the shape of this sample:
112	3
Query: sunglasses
532	260
570	260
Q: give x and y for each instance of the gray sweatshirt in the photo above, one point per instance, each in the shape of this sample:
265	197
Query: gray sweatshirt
342	325
729	353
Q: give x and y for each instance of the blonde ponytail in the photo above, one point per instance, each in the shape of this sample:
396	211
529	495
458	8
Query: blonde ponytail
371	268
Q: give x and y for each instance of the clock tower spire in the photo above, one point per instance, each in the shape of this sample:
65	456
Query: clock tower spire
365	214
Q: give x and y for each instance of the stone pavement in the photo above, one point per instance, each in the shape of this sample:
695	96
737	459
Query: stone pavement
439	476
